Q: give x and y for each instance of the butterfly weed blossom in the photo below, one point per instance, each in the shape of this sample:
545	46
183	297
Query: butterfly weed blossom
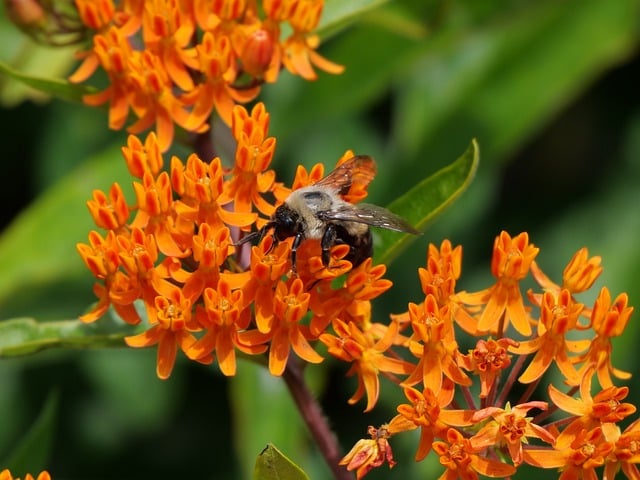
6	475
481	411
174	251
172	62
459	357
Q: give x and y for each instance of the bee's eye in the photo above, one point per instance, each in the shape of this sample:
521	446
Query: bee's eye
287	221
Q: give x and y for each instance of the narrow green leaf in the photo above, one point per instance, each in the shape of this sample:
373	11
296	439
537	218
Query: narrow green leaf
23	336
427	200
31	452
338	14
271	464
52	86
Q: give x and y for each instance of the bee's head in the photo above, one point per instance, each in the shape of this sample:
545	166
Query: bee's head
286	222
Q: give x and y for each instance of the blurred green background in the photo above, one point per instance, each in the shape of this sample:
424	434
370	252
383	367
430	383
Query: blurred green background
550	90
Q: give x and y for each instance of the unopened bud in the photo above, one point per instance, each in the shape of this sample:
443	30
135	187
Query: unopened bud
257	53
52	22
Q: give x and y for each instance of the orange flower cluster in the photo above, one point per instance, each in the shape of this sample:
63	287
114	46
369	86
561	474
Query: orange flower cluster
174	251
175	254
173	62
517	341
6	475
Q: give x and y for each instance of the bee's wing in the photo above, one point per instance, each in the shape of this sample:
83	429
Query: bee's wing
357	170
371	215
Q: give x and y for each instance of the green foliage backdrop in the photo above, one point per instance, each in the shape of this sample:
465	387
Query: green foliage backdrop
550	91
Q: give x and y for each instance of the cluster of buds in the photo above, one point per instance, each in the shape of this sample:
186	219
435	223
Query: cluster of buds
175	62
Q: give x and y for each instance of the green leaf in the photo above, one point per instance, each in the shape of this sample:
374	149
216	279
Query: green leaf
38	248
427	200
338	14
31	453
52	86
273	465
502	79
23	336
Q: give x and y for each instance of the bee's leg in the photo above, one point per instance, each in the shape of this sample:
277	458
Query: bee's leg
328	241
294	249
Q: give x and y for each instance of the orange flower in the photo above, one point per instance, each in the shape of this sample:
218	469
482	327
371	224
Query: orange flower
115	55
488	360
190	59
140	158
6	475
433	343
351	302
217	64
462	460
366	354
427	411
225	319
605	407
109	213
211	248
200	187
512	258
299	49
285	331
171	326
268	265
626	453
578	276
509	426
167	31
102	257
607	320
156	214
579	459
250	177
558	316
368	454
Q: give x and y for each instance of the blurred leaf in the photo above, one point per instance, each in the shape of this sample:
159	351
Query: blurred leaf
500	81
338	14
51	86
23	336
24	55
271	464
38	248
295	105
427	200
32	451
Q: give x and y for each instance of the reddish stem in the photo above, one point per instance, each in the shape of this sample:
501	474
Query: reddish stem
315	419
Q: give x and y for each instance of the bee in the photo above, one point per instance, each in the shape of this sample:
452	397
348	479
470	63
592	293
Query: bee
320	212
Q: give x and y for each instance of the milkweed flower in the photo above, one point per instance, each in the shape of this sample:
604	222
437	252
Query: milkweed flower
370	453
6	475
517	339
461	459
172	258
174	63
511	261
173	251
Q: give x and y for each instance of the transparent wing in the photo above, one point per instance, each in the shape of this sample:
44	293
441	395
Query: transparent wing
357	170
369	214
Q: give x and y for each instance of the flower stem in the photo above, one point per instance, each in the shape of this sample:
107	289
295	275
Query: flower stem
315	419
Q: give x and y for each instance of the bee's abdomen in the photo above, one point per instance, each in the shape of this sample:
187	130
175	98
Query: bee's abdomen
361	244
